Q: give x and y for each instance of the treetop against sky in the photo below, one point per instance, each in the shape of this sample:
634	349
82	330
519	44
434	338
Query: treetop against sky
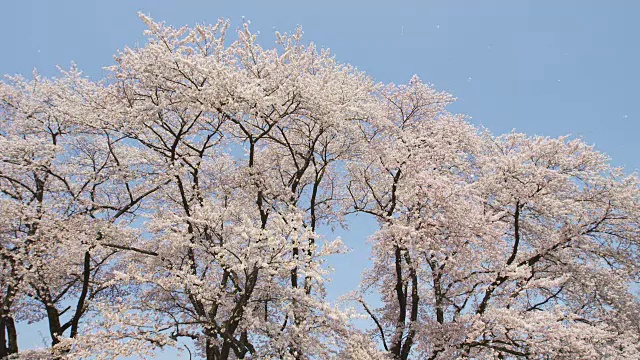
184	198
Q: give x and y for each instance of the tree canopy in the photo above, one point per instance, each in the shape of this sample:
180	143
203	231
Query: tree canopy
183	195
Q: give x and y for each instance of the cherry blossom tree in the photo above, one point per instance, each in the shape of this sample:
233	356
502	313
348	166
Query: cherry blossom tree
416	167
69	194
494	246
249	141
180	201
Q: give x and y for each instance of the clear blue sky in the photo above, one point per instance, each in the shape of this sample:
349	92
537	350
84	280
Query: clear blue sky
541	66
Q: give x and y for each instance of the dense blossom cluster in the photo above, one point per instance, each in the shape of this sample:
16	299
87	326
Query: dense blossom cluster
181	199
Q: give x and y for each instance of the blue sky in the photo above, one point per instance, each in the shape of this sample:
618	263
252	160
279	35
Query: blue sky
542	66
